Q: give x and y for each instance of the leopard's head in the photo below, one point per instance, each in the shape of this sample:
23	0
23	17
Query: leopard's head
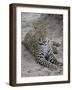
40	28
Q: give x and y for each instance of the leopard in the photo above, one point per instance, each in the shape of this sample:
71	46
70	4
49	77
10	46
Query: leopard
37	42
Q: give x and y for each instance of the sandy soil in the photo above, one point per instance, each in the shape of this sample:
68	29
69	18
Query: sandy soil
54	24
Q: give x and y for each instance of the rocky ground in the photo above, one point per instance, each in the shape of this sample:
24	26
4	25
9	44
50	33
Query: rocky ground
54	25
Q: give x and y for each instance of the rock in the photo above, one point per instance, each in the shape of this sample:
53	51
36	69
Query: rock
57	44
54	48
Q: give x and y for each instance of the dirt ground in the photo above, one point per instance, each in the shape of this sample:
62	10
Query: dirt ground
54	23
